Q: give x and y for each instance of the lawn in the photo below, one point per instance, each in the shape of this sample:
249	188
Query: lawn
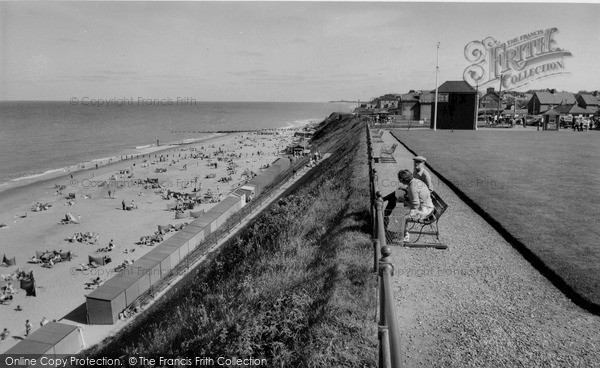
540	187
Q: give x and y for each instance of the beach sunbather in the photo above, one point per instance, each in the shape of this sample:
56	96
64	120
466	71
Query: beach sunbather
5	298
4	335
94	282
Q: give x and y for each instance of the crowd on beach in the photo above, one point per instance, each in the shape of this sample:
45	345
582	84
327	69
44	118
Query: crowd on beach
220	167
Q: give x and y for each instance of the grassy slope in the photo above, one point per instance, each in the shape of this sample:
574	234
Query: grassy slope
295	286
540	186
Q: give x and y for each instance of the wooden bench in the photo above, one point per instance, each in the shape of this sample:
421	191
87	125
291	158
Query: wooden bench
388	151
417	227
377	136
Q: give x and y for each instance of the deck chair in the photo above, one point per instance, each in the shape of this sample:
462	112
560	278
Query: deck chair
65	256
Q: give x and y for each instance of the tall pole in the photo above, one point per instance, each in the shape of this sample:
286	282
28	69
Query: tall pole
437	68
499	99
476	105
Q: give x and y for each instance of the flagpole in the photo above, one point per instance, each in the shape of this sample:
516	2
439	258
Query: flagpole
437	67
476	105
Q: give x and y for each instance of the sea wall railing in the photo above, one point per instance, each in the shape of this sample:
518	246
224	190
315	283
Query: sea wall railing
389	337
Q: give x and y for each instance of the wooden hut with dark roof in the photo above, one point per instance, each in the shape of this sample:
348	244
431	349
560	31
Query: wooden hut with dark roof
457	106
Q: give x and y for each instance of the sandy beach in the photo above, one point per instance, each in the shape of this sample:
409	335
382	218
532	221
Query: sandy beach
62	288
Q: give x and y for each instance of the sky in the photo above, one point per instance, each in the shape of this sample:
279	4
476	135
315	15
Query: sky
271	51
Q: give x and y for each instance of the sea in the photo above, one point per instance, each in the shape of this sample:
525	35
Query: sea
40	138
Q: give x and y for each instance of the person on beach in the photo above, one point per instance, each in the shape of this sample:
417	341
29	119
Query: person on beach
28	327
123	205
4	335
43	322
420	173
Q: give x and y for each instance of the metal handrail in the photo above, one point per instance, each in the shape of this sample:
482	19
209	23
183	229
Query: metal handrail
390	355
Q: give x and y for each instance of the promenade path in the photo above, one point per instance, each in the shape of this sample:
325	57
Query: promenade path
479	303
94	334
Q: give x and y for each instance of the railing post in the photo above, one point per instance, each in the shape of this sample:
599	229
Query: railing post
375	254
386	271
380	225
385	360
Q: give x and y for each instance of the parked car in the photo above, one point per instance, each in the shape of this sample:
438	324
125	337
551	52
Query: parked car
533	119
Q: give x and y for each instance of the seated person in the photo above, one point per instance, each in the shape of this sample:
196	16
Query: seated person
4	297
420	173
418	198
4	335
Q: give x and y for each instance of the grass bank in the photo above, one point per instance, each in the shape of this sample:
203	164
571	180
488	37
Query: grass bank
294	287
540	189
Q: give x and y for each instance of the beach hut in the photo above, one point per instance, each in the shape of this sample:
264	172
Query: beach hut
162	255
129	283
182	241
242	195
210	221
146	266
262	181
249	190
65	339
171	247
226	208
104	304
256	184
196	234
32	349
202	222
282	164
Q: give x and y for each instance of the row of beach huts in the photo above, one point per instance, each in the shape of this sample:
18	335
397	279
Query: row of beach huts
105	304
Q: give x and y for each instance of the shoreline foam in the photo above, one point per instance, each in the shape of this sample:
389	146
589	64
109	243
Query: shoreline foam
104	161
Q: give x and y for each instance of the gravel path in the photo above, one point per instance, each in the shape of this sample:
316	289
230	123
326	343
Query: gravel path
479	303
